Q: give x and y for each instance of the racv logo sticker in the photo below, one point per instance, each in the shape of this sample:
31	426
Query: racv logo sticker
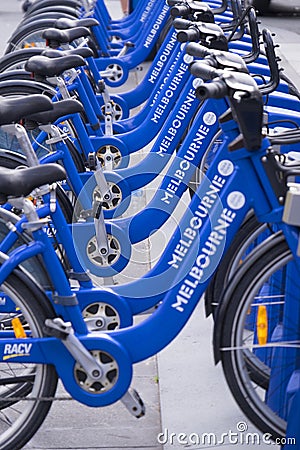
16	350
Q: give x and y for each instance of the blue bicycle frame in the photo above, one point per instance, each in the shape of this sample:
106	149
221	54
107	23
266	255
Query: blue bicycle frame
196	247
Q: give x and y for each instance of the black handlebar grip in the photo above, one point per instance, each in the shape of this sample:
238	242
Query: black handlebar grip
181	24
198	50
180	10
216	89
204	71
188	35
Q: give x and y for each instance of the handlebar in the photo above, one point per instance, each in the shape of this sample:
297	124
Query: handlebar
272	61
198	50
200	11
180	10
182	24
192	34
216	89
204	71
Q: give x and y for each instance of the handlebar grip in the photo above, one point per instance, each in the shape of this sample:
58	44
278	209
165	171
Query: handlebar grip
180	10
204	71
216	89
181	24
188	35
198	50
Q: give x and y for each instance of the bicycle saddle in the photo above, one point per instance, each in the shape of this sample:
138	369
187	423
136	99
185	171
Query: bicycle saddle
14	109
57	37
49	67
21	182
60	109
85	52
63	23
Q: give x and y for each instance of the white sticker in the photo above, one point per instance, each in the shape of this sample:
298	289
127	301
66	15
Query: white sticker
197	82
225	167
209	118
188	59
236	200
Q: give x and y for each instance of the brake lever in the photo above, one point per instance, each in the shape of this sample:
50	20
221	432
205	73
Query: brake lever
237	12
221	8
273	64
254	33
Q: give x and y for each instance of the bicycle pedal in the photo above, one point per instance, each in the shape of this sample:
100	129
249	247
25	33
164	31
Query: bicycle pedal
134	403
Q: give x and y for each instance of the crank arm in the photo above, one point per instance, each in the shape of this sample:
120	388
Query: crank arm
64	331
100	229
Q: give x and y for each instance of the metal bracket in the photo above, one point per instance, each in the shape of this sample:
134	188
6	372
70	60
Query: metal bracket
64	331
35	224
54	132
60	83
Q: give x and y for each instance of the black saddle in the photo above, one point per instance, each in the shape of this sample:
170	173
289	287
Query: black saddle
49	67
60	109
57	37
87	22
85	52
17	108
21	182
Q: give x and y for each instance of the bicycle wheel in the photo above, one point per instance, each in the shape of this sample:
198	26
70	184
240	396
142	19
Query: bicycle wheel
19	423
18	58
29	36
51	3
45	16
266	282
51	10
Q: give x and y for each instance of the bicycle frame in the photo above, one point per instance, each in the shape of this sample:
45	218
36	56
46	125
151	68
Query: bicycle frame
193	253
135	229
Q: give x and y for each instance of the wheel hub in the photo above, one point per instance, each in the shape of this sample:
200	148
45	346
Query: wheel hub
101	316
96	258
113	200
109	155
109	377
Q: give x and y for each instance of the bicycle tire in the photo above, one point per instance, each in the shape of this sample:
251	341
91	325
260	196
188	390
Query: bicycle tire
45	16
35	28
243	292
18	58
21	423
52	9
47	3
